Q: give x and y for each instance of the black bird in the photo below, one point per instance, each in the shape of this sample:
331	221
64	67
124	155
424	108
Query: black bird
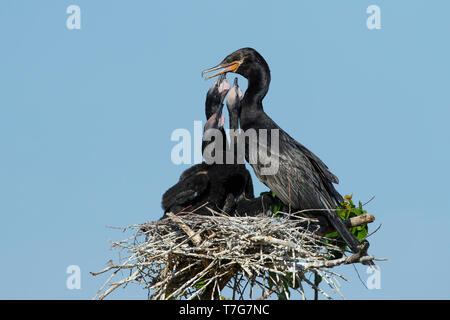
215	185
244	206
302	181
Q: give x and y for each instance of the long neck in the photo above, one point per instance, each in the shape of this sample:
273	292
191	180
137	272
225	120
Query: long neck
234	119
258	85
224	144
258	82
234	126
212	103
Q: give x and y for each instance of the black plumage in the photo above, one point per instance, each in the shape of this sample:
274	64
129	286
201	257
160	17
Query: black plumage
216	185
302	181
244	206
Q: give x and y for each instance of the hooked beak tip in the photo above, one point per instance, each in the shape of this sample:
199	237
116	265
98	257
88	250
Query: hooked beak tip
224	68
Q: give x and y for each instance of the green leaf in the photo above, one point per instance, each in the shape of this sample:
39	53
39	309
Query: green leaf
199	284
348	210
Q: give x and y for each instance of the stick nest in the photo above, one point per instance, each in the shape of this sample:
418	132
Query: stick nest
194	256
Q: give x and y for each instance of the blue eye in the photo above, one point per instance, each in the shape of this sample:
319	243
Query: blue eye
229	60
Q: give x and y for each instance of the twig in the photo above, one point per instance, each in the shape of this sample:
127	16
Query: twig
195	237
171	256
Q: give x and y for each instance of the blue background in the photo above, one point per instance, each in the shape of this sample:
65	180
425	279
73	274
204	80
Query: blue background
86	118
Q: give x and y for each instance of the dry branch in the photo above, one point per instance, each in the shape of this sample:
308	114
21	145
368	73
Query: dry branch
195	257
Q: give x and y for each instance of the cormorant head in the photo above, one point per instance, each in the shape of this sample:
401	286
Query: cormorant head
215	96
243	61
234	98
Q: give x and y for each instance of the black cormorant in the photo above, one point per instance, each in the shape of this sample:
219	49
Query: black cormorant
302	181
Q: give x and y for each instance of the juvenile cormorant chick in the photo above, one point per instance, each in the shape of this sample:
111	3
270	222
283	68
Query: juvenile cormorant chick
215	185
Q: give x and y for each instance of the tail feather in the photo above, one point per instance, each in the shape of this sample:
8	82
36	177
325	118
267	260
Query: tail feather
342	230
346	235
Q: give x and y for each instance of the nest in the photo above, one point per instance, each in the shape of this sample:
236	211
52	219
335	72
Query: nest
194	256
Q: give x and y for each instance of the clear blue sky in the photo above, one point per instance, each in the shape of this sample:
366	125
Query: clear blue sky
86	118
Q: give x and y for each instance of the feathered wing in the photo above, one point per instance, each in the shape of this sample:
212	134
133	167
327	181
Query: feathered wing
300	172
186	190
193	170
303	181
326	176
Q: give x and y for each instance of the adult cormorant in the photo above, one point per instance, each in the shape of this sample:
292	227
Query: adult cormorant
215	185
302	181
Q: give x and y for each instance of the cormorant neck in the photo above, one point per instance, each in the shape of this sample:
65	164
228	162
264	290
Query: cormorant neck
234	120
212	103
258	84
224	145
234	126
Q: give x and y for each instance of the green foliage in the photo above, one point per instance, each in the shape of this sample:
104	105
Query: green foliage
346	211
278	204
199	285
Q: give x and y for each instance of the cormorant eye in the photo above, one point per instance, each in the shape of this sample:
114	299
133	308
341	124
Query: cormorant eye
229	60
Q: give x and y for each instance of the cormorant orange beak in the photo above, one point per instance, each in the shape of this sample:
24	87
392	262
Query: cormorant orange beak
228	67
